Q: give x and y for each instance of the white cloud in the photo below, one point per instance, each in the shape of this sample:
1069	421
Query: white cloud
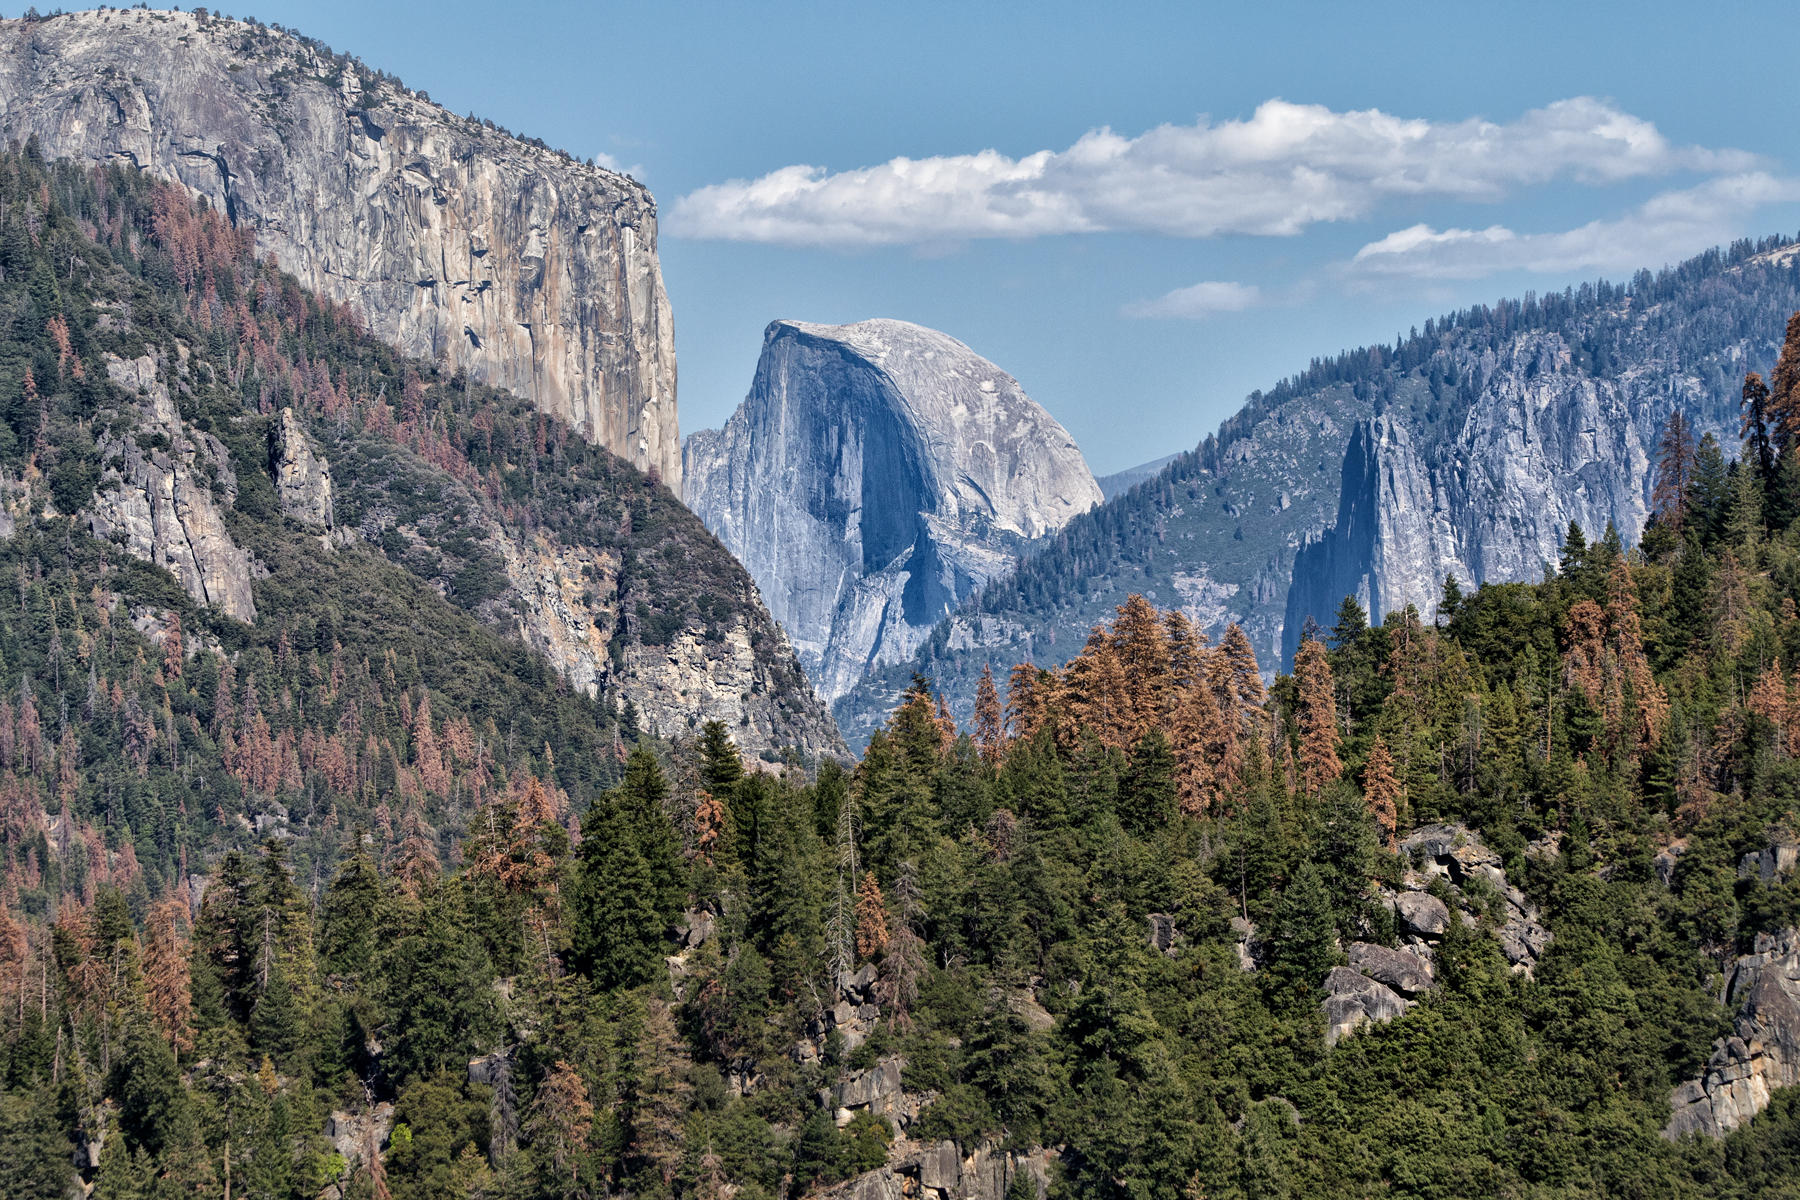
1667	227
1286	167
1198	301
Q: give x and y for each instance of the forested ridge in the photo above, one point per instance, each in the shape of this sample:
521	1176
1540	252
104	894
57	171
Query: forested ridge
356	901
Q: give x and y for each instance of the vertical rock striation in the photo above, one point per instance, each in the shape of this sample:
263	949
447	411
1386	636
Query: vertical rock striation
454	241
1491	498
877	475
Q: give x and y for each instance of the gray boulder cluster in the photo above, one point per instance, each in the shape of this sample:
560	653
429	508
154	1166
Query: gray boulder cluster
942	1171
1381	982
852	1015
1378	985
1475	878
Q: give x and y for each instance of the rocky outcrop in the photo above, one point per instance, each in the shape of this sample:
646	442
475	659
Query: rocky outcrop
162	490
1761	1054
876	475
1407	973
1353	1000
566	606
1491	500
1775	863
302	476
942	1171
1471	873
1377	986
852	1016
358	1136
453	240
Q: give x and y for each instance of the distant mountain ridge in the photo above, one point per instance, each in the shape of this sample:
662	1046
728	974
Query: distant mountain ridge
1123	481
876	475
1466	448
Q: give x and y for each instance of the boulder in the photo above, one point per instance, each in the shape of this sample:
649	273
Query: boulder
1353	1000
1245	931
876	1089
1401	970
696	927
356	1135
1668	858
1775	862
1422	913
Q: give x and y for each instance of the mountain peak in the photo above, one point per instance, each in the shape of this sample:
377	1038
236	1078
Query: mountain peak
875	476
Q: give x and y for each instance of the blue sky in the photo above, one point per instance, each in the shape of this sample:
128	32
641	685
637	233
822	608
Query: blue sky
1141	211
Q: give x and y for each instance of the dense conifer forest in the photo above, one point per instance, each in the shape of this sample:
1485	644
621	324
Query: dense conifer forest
359	902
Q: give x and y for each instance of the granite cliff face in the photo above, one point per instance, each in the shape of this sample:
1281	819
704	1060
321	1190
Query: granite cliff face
874	478
302	476
1492	498
452	240
1761	1054
157	498
1463	449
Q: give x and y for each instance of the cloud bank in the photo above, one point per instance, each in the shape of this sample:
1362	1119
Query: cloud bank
1666	228
1288	166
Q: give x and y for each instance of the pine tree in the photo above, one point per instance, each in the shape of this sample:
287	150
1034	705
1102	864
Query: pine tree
712	826
659	1105
721	765
915	727
1743	528
1206	751
1753	428
348	915
560	1123
1319	733
1147	792
1784	389
1100	691
166	979
1710	488
1142	645
1302	937
617	925
990	733
871	919
1382	790
905	963
1237	680
1187	652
